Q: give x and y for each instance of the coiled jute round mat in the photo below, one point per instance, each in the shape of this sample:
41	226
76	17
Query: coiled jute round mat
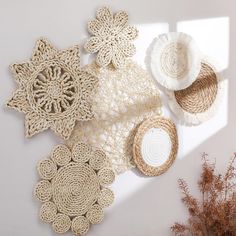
155	145
198	102
175	60
73	188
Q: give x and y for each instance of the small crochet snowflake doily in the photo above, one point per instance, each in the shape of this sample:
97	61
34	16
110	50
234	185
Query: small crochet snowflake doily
53	91
73	188
111	38
200	101
175	60
128	96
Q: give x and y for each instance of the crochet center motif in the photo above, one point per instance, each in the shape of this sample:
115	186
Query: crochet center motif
54	92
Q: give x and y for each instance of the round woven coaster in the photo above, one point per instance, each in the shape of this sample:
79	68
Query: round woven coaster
74	191
155	145
199	101
175	60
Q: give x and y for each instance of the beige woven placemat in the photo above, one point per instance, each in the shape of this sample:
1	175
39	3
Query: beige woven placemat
200	101
73	188
124	98
165	126
53	91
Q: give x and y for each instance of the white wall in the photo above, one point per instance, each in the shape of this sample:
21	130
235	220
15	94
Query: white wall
143	206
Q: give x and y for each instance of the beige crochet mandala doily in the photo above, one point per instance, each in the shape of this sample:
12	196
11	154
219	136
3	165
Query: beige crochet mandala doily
73	188
124	98
53	91
111	38
155	145
200	101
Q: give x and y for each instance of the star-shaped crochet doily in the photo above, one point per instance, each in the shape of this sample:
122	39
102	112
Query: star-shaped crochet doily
53	91
111	38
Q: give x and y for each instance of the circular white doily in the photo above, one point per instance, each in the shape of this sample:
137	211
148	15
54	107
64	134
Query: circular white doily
175	60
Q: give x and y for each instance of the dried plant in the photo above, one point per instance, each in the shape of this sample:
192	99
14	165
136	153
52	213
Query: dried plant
215	213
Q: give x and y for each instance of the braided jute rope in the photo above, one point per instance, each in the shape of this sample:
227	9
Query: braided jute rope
163	124
73	188
200	101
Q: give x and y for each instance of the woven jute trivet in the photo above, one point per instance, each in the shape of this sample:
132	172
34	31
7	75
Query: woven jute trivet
198	102
74	188
141	153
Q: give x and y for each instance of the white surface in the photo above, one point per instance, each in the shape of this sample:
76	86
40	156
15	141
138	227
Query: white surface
156	147
143	206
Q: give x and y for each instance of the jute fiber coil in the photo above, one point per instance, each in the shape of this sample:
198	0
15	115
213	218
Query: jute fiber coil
200	101
175	60
145	158
111	38
123	99
53	91
74	191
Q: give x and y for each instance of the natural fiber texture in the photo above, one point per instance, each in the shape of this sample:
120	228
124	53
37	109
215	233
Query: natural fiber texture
127	96
54	92
74	192
200	101
111	38
160	123
175	60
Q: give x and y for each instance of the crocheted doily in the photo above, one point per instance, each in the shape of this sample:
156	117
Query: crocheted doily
127	96
200	101
111	38
54	92
175	60
72	188
155	145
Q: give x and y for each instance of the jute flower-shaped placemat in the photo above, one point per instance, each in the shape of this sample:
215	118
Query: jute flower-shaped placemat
73	188
200	101
175	60
155	145
53	91
111	38
124	98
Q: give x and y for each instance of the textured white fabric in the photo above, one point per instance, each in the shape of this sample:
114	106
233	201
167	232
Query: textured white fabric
175	60
156	147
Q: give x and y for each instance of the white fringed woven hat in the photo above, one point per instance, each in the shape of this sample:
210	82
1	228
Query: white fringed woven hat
200	101
175	60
